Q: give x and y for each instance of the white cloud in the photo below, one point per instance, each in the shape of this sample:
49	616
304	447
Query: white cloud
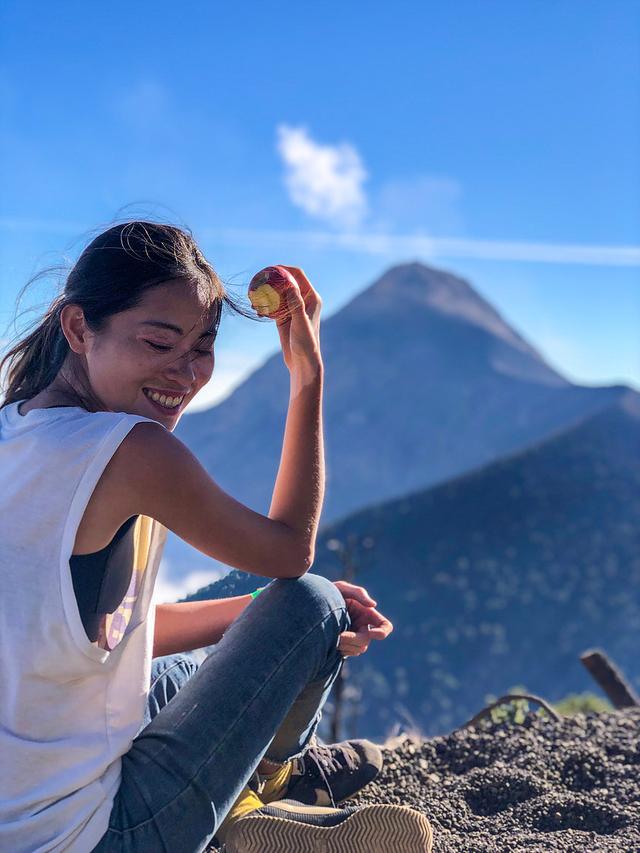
324	180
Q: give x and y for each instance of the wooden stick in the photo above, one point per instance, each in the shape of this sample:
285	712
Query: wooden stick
609	678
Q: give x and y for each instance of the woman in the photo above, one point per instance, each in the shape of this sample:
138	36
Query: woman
99	750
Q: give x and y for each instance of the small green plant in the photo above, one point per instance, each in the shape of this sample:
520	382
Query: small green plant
513	711
582	703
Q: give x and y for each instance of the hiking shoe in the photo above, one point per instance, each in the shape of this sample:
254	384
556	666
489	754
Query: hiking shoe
290	827
327	774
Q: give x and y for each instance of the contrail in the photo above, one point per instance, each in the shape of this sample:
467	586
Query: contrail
375	243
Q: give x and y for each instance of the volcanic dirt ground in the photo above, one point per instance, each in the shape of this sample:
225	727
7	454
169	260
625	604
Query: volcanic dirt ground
532	787
542	785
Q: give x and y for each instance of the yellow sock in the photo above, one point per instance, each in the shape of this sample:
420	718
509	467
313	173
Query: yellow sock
247	802
275	783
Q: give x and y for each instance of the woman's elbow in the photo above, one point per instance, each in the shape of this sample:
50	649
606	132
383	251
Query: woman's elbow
299	567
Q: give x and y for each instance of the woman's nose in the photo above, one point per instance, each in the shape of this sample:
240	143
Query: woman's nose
183	368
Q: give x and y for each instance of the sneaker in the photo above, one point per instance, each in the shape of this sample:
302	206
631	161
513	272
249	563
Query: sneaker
290	827
327	774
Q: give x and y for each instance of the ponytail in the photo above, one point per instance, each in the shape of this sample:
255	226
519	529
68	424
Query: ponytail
34	362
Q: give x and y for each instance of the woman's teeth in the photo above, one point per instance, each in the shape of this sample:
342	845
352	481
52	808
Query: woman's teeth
167	402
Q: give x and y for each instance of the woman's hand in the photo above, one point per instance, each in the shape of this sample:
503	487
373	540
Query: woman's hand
300	332
366	623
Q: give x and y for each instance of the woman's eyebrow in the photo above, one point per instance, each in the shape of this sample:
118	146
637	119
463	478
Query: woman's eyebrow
160	324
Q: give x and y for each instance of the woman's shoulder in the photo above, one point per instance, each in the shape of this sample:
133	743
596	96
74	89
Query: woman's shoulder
147	456
136	453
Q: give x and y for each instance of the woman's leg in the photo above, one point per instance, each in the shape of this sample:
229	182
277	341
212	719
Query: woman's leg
187	767
169	674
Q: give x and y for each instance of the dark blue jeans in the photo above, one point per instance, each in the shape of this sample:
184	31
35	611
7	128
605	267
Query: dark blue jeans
258	694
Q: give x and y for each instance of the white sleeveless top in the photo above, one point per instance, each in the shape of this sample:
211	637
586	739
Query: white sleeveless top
69	708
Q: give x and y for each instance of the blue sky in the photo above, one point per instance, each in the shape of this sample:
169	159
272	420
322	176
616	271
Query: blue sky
497	140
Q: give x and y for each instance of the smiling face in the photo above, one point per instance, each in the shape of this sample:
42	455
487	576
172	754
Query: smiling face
153	359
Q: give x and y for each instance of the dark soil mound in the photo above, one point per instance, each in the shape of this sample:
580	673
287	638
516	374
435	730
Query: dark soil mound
572	785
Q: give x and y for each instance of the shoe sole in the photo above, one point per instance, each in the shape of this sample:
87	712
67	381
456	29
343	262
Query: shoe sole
372	829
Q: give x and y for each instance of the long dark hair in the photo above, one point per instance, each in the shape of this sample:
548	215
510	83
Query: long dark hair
110	276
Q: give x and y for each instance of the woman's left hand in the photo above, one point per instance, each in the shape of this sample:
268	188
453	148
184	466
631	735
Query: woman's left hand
366	622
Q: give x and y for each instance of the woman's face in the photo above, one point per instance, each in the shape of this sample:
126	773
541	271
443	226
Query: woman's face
162	347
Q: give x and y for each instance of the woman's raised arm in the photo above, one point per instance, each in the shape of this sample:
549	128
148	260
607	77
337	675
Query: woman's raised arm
171	486
158	476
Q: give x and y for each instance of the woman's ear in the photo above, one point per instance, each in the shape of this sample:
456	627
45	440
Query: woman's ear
74	328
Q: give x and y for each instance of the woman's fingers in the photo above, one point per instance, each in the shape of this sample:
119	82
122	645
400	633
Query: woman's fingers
352	648
381	630
361	635
310	296
379	626
368	623
357	593
355	641
306	288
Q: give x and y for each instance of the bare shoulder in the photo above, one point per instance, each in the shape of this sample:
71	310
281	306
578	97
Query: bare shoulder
116	496
146	442
149	466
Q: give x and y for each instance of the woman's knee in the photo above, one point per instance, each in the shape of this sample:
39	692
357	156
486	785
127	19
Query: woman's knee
314	592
